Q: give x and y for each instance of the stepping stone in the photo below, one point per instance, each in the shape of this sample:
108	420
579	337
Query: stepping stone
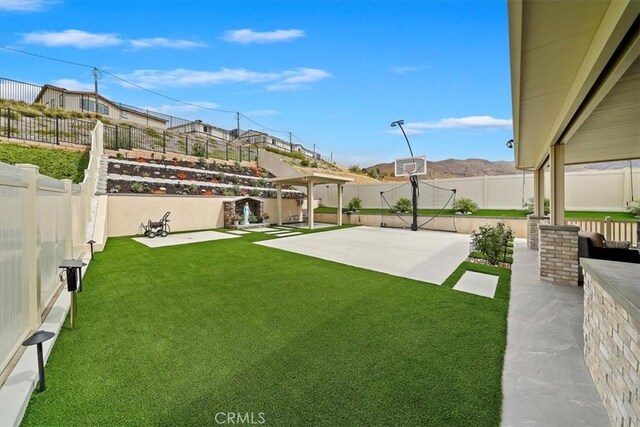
478	284
295	233
276	231
238	232
260	230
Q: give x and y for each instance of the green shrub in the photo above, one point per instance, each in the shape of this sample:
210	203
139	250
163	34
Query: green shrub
355	204
293	155
198	150
492	241
528	205
58	164
137	187
152	133
403	205
634	208
374	173
304	162
355	169
464	205
314	164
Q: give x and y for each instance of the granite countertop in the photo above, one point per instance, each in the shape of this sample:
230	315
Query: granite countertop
620	279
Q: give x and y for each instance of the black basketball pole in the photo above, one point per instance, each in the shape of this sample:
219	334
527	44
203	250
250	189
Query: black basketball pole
413	178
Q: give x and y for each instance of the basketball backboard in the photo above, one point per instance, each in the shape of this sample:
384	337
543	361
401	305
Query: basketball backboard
411	166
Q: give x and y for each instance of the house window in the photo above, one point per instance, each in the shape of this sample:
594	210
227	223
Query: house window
61	101
90	105
53	103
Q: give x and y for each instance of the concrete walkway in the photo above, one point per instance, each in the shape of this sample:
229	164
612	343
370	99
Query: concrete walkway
545	380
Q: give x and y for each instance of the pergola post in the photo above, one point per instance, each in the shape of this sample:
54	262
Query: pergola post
310	186
339	218
538	192
279	203
557	184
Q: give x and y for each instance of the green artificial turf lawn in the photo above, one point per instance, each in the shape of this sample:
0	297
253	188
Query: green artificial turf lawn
171	336
58	164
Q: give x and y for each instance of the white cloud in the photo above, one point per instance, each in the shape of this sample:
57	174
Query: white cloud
72	84
164	42
72	38
404	69
181	108
247	36
298	79
471	122
261	113
25	5
181	77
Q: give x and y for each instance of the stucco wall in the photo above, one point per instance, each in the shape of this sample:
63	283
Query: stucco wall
125	213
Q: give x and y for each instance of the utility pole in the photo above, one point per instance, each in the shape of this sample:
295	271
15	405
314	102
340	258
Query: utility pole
238	125
96	76
314	150
290	143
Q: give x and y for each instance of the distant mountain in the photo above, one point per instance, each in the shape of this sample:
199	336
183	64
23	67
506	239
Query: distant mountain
457	168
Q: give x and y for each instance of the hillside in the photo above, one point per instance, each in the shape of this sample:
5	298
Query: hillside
456	168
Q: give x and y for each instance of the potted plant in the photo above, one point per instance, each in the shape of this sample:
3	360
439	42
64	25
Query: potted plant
235	218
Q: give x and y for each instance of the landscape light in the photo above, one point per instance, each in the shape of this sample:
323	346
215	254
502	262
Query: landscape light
37	339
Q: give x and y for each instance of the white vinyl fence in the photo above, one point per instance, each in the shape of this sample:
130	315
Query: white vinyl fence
594	190
42	222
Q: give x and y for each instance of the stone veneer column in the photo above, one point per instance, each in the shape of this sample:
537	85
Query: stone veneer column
611	352
229	211
532	229
558	254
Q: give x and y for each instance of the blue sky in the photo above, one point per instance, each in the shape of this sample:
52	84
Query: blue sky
335	73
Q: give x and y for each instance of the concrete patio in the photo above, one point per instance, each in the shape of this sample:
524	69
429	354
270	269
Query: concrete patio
545	379
429	256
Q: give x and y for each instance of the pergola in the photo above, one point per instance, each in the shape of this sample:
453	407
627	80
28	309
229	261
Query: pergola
310	181
575	77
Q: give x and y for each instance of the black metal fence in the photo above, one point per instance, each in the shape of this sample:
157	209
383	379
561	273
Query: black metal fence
15	90
40	128
126	137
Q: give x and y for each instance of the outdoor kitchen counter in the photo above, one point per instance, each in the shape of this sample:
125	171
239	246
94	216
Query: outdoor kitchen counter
612	336
621	280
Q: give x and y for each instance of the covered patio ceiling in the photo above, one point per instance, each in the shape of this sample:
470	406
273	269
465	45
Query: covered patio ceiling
575	77
314	177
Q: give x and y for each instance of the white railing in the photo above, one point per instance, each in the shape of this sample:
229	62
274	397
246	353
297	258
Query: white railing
612	229
42	222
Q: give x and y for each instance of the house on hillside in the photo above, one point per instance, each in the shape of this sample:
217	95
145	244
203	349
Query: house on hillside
262	138
81	101
199	128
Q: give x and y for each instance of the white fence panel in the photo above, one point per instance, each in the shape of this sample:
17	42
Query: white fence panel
14	294
42	222
594	190
52	217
